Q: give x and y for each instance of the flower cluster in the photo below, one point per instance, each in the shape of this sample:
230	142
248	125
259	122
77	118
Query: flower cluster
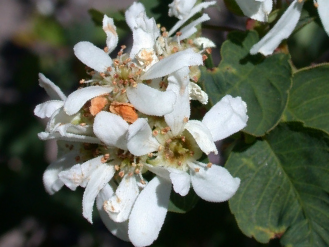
131	118
260	9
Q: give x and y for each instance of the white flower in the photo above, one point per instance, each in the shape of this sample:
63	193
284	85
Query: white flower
60	125
176	162
286	25
124	78
256	9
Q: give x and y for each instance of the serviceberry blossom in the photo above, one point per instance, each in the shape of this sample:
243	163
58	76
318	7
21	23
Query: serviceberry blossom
130	120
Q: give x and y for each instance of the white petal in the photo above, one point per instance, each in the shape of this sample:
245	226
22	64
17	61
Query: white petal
98	179
145	33
149	212
190	29
202	136
173	63
92	56
47	108
151	101
73	177
213	184
111	129
204	42
68	137
119	205
193	11
181	181
140	139
281	30
78	98
78	175
159	170
196	93
257	10
132	12
111	33
52	90
226	117
51	180
178	82
323	10
119	230
181	8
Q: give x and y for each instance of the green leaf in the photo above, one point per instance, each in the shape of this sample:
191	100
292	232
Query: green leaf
233	7
96	16
182	204
263	83
309	96
284	187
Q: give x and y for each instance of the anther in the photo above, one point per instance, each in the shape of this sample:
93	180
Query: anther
143	182
82	124
116	167
178	33
183	138
209	165
175	49
208	50
197	169
109	69
121	174
155	132
137	171
106	49
82	81
185	119
106	156
204	57
150	155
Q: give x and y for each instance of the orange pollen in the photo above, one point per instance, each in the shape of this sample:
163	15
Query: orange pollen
82	81
208	50
106	49
125	110
121	174
209	165
197	169
97	104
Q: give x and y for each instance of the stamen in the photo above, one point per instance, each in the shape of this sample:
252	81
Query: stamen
209	165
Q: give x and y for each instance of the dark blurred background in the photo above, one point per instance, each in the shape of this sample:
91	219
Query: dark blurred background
38	36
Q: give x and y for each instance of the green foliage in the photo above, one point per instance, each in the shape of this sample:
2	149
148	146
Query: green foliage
263	83
284	186
309	96
233	7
